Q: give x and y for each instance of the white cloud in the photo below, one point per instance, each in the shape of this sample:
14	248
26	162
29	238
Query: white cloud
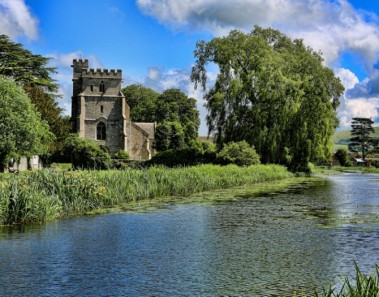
154	73
16	20
332	26
359	107
348	78
65	60
357	101
329	26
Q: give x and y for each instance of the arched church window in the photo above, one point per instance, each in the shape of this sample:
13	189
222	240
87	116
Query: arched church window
101	131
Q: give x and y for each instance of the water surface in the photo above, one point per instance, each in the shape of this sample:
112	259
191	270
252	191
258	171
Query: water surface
258	245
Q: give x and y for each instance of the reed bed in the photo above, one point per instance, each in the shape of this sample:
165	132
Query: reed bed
47	195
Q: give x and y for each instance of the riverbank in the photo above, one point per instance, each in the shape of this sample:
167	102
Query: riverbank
342	169
47	195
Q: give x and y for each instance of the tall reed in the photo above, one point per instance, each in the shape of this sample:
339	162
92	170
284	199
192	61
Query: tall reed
45	195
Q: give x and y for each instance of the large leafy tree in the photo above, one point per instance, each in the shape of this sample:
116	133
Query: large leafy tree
22	130
52	114
361	140
175	106
24	66
271	91
176	114
142	102
34	74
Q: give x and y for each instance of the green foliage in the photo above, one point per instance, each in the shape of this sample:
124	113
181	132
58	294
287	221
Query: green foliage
142	102
239	153
182	157
45	195
267	92
85	154
169	135
22	130
121	154
22	203
203	146
31	71
174	106
198	152
24	66
176	114
361	140
163	136
343	157
59	125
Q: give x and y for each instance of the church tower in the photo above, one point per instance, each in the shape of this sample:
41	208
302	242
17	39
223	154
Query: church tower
100	112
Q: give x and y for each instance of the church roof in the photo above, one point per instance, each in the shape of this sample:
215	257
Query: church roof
149	128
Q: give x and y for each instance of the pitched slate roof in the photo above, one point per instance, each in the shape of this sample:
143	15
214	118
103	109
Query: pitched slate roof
147	127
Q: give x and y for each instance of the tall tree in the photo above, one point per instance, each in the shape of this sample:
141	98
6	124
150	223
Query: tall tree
175	106
142	102
361	140
51	113
176	114
34	74
271	91
22	130
24	66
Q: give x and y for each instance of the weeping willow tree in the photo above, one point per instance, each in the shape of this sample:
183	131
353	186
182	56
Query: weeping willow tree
271	91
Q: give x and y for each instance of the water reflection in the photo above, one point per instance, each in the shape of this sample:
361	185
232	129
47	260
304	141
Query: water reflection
265	245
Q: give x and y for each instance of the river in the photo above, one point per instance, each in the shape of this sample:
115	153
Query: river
299	238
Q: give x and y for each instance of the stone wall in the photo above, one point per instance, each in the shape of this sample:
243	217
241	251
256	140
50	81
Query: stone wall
97	98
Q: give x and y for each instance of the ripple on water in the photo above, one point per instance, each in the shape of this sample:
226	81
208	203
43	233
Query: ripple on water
254	245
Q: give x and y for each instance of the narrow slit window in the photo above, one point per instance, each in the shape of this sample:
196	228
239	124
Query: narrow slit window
101	108
102	87
101	131
91	88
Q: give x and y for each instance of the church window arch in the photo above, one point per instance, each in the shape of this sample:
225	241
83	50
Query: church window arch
101	131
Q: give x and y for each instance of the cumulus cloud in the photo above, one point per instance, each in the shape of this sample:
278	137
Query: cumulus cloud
358	107
330	26
16	19
357	101
348	78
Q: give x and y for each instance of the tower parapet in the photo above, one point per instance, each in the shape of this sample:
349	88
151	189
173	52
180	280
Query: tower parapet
101	73
78	66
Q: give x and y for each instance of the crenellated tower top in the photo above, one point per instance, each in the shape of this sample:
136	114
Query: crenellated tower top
101	73
81	70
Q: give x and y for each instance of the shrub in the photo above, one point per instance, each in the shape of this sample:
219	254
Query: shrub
85	154
239	153
121	154
183	157
342	157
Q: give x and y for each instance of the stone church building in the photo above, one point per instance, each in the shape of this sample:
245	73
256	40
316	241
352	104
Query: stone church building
100	113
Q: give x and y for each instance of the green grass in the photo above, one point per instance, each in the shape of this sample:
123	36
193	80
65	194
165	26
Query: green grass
46	195
327	170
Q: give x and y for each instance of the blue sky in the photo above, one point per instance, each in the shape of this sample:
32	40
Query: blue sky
153	41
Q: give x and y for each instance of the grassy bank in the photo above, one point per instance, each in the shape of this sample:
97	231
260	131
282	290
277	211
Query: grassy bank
46	195
339	169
